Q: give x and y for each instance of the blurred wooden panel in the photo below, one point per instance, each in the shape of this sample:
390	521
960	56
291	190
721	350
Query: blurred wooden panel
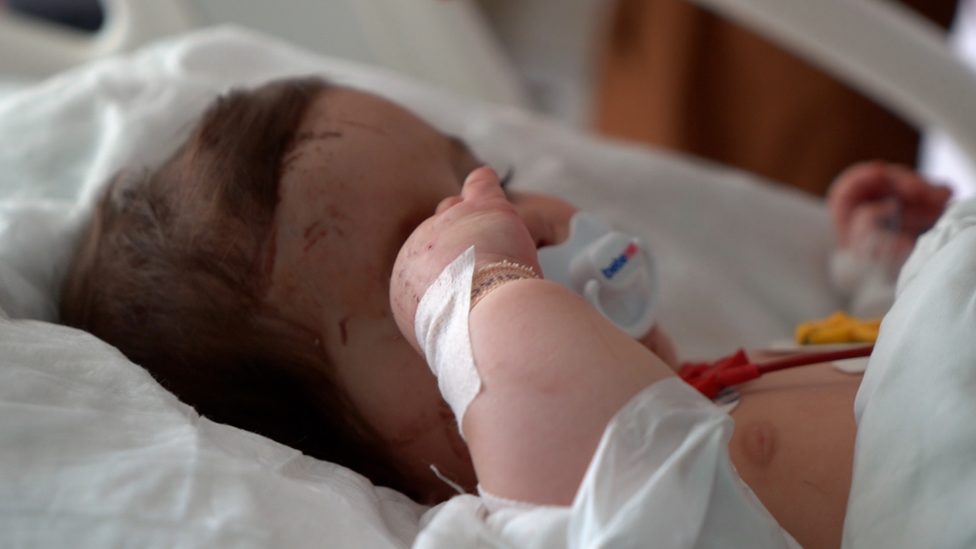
676	76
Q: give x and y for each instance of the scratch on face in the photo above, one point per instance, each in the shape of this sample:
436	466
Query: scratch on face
271	252
290	158
304	137
369	127
335	214
313	233
230	246
343	332
815	487
296	150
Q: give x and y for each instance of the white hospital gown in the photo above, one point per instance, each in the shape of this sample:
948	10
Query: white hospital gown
660	478
914	482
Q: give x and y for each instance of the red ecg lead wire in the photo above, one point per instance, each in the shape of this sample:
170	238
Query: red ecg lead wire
711	378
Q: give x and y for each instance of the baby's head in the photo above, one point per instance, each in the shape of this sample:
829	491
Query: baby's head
250	275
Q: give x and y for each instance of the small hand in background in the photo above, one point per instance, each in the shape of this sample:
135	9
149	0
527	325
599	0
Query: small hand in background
481	216
880	209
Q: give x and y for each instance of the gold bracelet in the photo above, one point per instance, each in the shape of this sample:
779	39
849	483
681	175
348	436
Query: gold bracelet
494	275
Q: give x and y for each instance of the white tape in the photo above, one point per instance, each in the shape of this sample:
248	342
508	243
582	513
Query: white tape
441	324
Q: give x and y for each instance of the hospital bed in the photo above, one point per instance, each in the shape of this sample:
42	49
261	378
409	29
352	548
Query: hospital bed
95	453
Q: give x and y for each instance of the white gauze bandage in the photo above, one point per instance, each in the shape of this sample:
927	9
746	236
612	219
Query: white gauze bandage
441	325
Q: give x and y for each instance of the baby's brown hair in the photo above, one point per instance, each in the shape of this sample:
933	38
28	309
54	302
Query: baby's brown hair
170	271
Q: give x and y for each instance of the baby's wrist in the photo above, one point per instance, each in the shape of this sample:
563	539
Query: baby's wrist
489	276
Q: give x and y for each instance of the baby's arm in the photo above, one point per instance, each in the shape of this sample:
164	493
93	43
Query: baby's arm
554	371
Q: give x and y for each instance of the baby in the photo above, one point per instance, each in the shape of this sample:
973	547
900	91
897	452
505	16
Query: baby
251	275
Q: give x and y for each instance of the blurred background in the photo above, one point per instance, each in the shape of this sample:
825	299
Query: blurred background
661	72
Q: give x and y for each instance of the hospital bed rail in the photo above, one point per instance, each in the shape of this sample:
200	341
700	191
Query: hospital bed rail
879	47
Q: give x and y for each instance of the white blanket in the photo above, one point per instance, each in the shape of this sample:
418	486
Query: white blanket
94	453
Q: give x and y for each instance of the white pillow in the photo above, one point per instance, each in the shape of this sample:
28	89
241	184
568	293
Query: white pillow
94	453
36	243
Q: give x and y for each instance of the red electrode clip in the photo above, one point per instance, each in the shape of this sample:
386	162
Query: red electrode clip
710	379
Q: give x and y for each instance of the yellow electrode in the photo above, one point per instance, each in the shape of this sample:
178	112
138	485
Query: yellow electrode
838	328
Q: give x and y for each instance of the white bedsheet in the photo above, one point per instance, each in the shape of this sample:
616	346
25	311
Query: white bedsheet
94	453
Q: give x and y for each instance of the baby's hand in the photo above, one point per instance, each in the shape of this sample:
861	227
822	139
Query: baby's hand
874	203
481	216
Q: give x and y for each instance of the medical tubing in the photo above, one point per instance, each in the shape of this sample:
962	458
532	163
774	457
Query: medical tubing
807	359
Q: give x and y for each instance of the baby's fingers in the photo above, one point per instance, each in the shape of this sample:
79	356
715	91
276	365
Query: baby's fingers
482	184
864	182
859	184
922	202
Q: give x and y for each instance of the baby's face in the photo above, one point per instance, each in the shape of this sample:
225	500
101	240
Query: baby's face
363	175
